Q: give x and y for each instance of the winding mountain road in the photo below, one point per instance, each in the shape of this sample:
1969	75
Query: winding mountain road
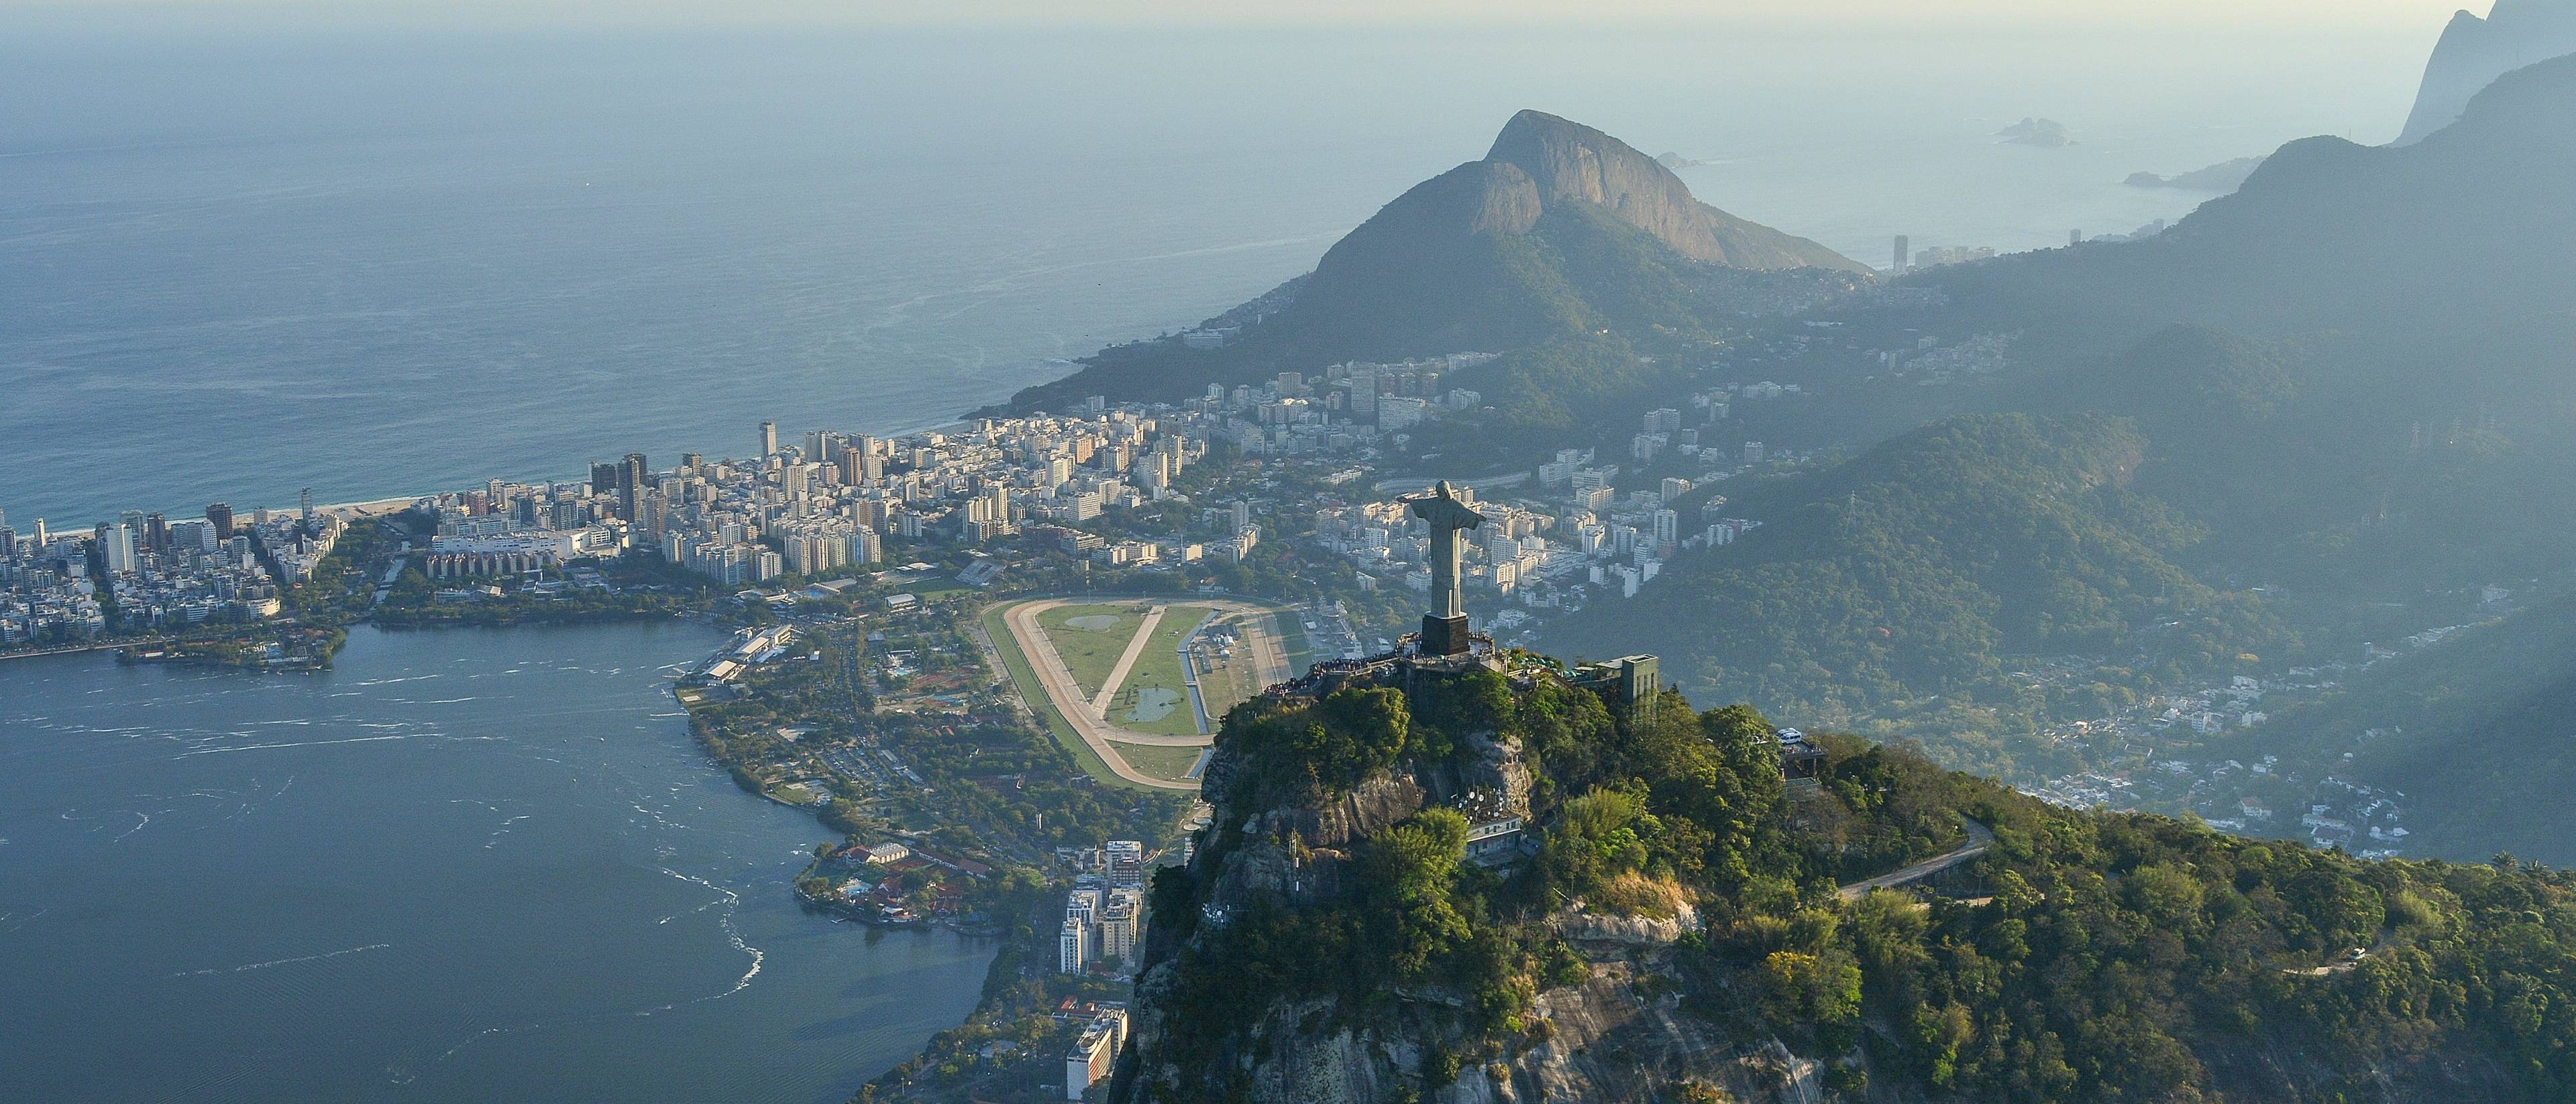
1979	839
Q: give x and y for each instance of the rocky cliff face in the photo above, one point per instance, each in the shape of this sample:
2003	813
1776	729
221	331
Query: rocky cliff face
1618	1035
1568	162
2473	52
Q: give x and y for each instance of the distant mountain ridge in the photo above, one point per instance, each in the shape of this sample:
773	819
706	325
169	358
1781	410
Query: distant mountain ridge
1559	230
2221	177
2468	228
2473	52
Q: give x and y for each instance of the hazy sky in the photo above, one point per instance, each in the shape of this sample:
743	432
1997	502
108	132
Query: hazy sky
1964	15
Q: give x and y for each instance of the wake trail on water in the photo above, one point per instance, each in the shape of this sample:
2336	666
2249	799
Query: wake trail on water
282	961
307	743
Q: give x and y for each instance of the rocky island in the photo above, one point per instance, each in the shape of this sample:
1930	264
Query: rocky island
2045	133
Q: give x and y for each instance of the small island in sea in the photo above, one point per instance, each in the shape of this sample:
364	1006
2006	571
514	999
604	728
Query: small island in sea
2047	133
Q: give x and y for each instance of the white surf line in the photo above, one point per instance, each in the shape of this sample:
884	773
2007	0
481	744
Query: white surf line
282	961
733	934
1126	660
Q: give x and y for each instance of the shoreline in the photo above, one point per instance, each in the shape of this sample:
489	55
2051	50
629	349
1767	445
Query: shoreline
394	504
69	649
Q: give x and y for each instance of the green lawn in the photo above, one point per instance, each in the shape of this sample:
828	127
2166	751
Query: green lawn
1293	645
1230	682
1090	639
1156	695
1161	762
1025	678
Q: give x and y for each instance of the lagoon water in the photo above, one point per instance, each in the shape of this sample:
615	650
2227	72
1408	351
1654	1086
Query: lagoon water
242	258
463	866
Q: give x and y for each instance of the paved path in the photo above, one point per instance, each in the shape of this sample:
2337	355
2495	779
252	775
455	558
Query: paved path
1126	660
1979	838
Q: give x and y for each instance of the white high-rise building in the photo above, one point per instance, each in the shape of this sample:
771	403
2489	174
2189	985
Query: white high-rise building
1073	947
1122	921
117	548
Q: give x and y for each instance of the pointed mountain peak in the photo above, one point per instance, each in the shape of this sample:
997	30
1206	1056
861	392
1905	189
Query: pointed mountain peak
2473	52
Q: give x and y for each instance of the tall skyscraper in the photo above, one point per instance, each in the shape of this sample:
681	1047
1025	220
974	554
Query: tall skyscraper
156	532
308	504
221	516
768	439
1903	254
630	486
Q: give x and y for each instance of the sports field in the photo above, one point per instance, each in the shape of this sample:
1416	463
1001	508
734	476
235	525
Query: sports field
1110	679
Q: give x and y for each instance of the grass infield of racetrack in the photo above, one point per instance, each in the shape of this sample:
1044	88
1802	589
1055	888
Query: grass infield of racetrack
1089	654
1159	667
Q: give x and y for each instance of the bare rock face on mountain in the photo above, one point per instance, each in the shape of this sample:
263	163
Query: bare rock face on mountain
2473	52
1572	162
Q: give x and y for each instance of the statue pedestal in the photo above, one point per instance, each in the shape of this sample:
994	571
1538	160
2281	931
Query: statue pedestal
1444	636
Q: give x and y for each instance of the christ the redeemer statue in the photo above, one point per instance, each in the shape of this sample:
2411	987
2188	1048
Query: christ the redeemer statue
1444	629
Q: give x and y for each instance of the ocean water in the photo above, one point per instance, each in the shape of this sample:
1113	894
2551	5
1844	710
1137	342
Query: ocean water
236	263
463	866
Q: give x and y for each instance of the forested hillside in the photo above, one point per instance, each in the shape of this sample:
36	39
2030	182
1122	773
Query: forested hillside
2478	733
1673	930
1908	584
